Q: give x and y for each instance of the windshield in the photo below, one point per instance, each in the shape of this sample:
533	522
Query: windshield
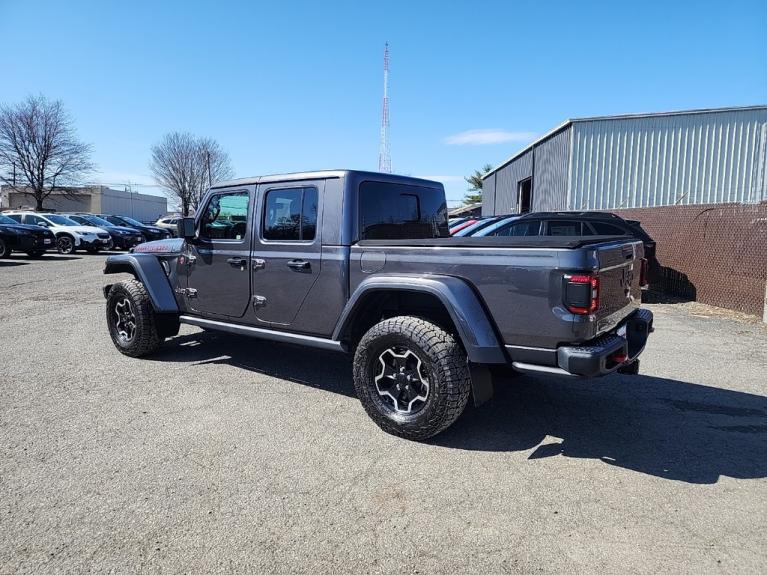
61	220
6	220
96	221
130	221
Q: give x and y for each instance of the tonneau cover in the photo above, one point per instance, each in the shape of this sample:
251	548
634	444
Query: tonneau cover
499	242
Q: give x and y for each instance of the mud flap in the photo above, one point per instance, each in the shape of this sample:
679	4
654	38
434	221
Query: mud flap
481	383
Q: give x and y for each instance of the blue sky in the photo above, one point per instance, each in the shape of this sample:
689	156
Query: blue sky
290	86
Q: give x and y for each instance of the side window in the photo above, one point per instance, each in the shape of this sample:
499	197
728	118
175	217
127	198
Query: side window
32	220
564	228
225	217
397	211
521	229
604	229
16	217
290	214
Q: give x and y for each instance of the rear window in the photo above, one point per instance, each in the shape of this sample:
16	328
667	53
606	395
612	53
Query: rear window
401	212
525	229
604	229
567	228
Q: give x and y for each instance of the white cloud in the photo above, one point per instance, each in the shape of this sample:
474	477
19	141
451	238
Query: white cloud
487	136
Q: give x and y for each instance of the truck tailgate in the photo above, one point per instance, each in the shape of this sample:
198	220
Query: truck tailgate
620	287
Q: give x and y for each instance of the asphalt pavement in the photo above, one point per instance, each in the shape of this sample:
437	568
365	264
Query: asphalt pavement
229	455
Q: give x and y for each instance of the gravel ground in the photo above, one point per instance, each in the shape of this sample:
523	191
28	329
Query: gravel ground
224	454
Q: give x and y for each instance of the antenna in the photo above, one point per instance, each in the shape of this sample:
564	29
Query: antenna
384	153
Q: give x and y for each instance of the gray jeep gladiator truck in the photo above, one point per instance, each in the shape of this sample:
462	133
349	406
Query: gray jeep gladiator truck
362	262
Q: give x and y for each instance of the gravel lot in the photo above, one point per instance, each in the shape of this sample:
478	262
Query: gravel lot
224	454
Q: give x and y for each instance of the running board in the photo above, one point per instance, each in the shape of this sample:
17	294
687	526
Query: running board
281	336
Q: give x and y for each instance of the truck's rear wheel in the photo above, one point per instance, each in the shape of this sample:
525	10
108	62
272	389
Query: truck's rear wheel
411	377
131	320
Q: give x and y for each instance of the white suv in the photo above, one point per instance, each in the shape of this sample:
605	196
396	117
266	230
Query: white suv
169	223
70	236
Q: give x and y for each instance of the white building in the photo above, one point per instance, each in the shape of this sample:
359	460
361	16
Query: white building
94	199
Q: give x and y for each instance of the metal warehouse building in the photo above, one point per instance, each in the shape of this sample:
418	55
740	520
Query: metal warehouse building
692	157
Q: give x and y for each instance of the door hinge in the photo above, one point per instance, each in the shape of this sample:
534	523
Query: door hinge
258	301
188	292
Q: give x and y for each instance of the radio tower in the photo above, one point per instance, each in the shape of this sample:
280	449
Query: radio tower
384	153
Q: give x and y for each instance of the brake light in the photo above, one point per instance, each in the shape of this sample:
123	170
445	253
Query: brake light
643	268
581	293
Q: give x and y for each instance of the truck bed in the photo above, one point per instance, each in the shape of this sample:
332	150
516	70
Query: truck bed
497	242
520	280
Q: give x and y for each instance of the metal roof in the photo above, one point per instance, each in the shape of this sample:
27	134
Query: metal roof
569	122
320	174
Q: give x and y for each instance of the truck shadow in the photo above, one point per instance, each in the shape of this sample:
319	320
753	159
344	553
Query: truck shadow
306	366
662	427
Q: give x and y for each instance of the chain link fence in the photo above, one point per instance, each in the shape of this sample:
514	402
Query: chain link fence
714	254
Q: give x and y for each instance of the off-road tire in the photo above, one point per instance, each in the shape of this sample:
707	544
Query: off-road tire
444	360
146	339
5	251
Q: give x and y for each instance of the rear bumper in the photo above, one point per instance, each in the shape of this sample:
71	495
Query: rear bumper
603	355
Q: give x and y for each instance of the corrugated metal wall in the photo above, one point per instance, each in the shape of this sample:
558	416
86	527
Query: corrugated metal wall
705	158
506	183
552	158
488	196
143	207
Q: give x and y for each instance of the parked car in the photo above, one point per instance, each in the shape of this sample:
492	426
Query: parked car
464	224
169	223
70	236
475	227
33	240
150	233
453	222
123	238
308	259
567	224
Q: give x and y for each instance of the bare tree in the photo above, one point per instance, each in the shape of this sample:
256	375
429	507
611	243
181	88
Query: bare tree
39	149
186	165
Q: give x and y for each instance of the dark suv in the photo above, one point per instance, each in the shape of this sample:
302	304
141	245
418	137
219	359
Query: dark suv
15	236
150	233
568	224
123	237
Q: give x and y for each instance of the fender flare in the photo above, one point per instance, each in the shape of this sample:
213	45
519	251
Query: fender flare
147	269
472	323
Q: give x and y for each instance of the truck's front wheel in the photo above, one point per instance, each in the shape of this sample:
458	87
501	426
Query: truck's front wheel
411	377
131	320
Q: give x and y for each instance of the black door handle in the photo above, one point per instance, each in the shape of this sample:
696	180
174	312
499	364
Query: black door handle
299	264
241	263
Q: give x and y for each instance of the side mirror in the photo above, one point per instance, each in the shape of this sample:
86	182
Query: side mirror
186	228
42	224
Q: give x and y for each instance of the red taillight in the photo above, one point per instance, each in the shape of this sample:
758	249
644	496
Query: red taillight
643	268
582	294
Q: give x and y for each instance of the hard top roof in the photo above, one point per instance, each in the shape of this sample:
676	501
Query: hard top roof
324	174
